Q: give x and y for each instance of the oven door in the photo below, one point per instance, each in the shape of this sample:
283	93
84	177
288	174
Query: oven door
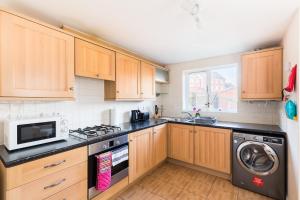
119	171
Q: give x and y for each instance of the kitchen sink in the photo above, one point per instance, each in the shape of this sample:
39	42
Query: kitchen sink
203	120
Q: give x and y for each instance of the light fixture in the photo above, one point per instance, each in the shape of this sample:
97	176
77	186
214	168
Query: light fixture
193	8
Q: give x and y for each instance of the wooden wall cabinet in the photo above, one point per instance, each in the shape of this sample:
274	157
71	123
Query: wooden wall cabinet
135	80
94	61
213	149
36	61
262	75
140	153
127	84
159	143
147	81
181	142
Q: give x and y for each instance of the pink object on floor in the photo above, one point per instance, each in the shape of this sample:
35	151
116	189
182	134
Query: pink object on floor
104	162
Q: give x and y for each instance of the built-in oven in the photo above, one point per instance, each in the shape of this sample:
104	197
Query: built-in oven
118	171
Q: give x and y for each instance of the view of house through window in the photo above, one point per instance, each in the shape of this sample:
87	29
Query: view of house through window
212	90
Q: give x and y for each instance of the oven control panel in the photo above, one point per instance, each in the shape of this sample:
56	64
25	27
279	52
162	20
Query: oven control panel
107	144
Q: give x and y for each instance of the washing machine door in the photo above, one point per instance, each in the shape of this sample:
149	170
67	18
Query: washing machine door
257	158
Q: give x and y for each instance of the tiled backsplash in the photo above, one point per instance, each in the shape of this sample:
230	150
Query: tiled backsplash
248	112
88	109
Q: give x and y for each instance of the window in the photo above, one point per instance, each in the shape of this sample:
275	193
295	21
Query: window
213	90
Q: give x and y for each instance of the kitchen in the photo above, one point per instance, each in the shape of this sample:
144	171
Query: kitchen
178	113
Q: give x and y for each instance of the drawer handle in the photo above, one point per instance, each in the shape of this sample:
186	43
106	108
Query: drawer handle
55	184
55	164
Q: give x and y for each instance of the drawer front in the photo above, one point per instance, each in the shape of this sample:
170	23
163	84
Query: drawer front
25	173
75	192
49	185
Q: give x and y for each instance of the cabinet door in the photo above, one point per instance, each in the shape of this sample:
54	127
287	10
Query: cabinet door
159	143
262	75
36	61
212	148
127	77
140	153
147	81
94	61
181	142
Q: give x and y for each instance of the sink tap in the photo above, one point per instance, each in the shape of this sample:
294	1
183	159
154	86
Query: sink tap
189	114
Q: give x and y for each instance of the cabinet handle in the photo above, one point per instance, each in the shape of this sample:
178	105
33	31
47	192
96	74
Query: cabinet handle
130	140
55	184
154	132
55	164
243	91
117	91
97	75
71	88
142	92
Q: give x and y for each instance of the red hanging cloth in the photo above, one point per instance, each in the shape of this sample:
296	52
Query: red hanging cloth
292	80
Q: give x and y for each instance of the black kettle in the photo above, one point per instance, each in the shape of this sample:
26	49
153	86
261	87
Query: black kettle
135	115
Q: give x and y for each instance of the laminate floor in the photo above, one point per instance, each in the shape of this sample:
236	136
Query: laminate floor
172	182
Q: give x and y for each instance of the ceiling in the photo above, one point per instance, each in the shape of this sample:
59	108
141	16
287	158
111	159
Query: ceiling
163	31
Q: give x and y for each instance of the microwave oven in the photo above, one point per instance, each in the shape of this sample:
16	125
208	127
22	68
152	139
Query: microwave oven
21	133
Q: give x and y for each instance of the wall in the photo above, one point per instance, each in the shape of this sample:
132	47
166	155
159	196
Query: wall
291	44
251	112
88	109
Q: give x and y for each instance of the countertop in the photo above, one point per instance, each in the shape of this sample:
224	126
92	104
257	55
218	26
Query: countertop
264	129
13	158
17	157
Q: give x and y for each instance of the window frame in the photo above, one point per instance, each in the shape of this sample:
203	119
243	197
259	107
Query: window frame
208	71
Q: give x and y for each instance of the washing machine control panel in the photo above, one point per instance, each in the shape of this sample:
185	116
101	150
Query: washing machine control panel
273	140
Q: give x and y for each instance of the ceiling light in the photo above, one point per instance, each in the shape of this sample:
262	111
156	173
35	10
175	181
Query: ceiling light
193	8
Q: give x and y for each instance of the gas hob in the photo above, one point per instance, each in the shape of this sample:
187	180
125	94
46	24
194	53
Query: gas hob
95	131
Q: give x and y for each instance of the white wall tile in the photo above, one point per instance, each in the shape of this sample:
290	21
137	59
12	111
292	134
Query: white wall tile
88	109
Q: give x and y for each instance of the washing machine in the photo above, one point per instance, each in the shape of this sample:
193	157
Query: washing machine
259	164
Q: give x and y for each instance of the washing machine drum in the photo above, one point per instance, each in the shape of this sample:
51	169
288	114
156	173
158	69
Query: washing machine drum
257	158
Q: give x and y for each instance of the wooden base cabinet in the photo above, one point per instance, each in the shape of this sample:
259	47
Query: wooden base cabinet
58	176
181	142
140	153
75	192
147	148
159	143
213	149
36	61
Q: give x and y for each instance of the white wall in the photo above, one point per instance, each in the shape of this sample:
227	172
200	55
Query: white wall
251	112
88	109
291	56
